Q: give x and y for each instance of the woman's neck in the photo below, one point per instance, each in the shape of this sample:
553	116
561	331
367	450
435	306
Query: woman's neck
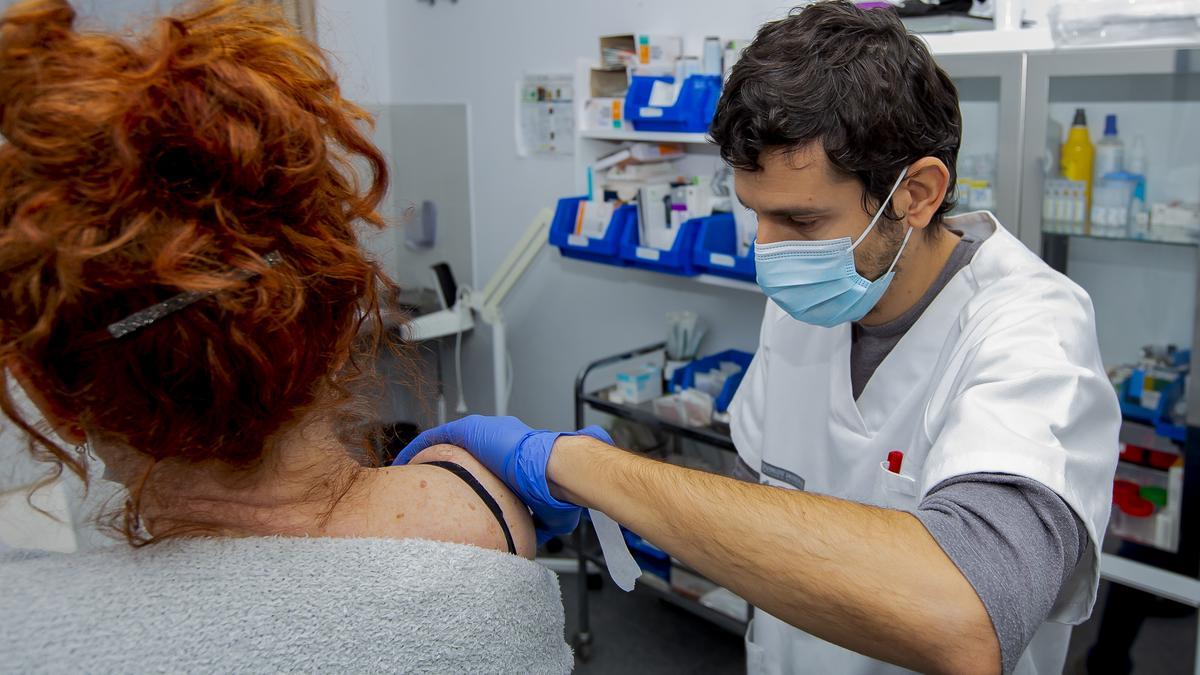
303	476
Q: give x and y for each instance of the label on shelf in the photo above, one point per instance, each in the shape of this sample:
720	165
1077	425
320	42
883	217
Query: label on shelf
721	260
1151	399
577	240
651	254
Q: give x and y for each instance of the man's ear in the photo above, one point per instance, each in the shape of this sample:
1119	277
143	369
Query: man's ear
63	422
922	191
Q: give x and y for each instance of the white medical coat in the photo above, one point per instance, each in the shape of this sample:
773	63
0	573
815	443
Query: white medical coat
1000	374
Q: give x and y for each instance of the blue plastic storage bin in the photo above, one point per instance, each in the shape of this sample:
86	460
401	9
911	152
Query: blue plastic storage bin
677	261
649	557
716	249
1160	416
606	250
692	112
685	377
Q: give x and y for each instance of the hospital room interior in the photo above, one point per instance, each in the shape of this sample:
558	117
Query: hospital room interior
623	336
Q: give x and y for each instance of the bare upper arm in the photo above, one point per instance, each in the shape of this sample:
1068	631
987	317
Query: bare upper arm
451	510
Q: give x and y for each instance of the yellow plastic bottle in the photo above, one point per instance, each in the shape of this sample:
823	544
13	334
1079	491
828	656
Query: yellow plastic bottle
1078	155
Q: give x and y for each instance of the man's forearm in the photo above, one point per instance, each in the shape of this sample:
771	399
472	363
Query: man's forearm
869	579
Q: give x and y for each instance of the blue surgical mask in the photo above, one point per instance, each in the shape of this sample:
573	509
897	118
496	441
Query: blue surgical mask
817	282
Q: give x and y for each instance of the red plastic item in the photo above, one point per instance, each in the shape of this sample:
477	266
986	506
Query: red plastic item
895	459
1135	506
1133	454
1160	460
1124	489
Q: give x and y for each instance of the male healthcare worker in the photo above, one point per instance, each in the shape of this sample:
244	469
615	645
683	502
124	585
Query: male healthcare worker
930	431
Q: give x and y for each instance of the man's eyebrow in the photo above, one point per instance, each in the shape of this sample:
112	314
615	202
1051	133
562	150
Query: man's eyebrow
795	212
789	211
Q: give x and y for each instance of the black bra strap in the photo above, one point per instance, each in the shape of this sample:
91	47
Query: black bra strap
484	495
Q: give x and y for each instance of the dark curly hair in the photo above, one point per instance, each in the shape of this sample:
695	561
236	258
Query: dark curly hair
853	80
135	170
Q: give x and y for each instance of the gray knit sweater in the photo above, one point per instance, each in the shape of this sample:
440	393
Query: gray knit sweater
280	605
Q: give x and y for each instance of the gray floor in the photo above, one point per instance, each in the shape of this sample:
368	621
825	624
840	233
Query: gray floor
637	633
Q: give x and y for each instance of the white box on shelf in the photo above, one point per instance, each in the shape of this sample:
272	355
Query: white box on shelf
689	584
654	219
641	384
1175	221
592	218
604	113
728	603
733	51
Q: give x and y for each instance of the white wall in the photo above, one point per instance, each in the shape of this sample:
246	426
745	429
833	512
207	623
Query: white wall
562	314
356	34
71	529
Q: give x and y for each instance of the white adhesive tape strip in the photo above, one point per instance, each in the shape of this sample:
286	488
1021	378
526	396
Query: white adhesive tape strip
623	569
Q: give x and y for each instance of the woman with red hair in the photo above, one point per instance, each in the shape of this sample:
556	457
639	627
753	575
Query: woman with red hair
183	292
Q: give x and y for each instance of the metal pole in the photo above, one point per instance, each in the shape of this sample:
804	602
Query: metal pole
500	365
583	634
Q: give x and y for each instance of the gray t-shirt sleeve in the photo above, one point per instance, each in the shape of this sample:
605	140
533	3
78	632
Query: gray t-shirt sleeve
1015	540
743	472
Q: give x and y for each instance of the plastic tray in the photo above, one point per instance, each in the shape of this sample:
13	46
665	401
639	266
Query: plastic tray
606	250
685	377
716	248
677	261
1159	416
692	112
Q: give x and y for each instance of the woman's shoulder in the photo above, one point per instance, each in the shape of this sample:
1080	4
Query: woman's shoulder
430	502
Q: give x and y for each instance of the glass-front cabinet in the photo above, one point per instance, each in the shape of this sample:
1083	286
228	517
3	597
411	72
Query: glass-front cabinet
1092	158
1110	186
989	92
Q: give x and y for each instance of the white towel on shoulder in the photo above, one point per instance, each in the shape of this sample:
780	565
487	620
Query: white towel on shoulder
274	604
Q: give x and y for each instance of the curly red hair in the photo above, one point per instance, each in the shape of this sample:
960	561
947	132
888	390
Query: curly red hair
138	169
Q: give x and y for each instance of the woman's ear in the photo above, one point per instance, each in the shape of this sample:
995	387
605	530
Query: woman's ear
921	193
64	423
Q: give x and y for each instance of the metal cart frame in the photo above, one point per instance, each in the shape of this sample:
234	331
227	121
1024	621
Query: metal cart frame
583	639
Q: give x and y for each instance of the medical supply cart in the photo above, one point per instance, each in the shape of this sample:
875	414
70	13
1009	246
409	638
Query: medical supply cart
586	551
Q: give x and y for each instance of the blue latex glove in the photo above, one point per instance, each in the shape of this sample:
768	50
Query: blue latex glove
518	455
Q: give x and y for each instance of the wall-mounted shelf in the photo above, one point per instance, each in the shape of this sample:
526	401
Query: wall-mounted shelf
713	280
1029	40
647	136
1144	436
1168	242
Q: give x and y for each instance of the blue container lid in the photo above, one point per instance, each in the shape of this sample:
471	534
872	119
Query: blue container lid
1110	125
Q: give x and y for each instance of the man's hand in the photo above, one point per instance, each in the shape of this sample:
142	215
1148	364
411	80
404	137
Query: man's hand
518	455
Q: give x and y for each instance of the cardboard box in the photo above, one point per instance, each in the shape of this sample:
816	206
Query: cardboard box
648	50
608	82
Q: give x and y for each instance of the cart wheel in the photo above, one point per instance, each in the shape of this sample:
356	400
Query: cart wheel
582	642
595	582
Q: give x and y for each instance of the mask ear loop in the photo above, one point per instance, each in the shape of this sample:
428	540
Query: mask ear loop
896	186
900	252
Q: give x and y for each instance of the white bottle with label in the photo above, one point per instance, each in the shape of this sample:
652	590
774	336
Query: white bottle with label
1110	151
1139	215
